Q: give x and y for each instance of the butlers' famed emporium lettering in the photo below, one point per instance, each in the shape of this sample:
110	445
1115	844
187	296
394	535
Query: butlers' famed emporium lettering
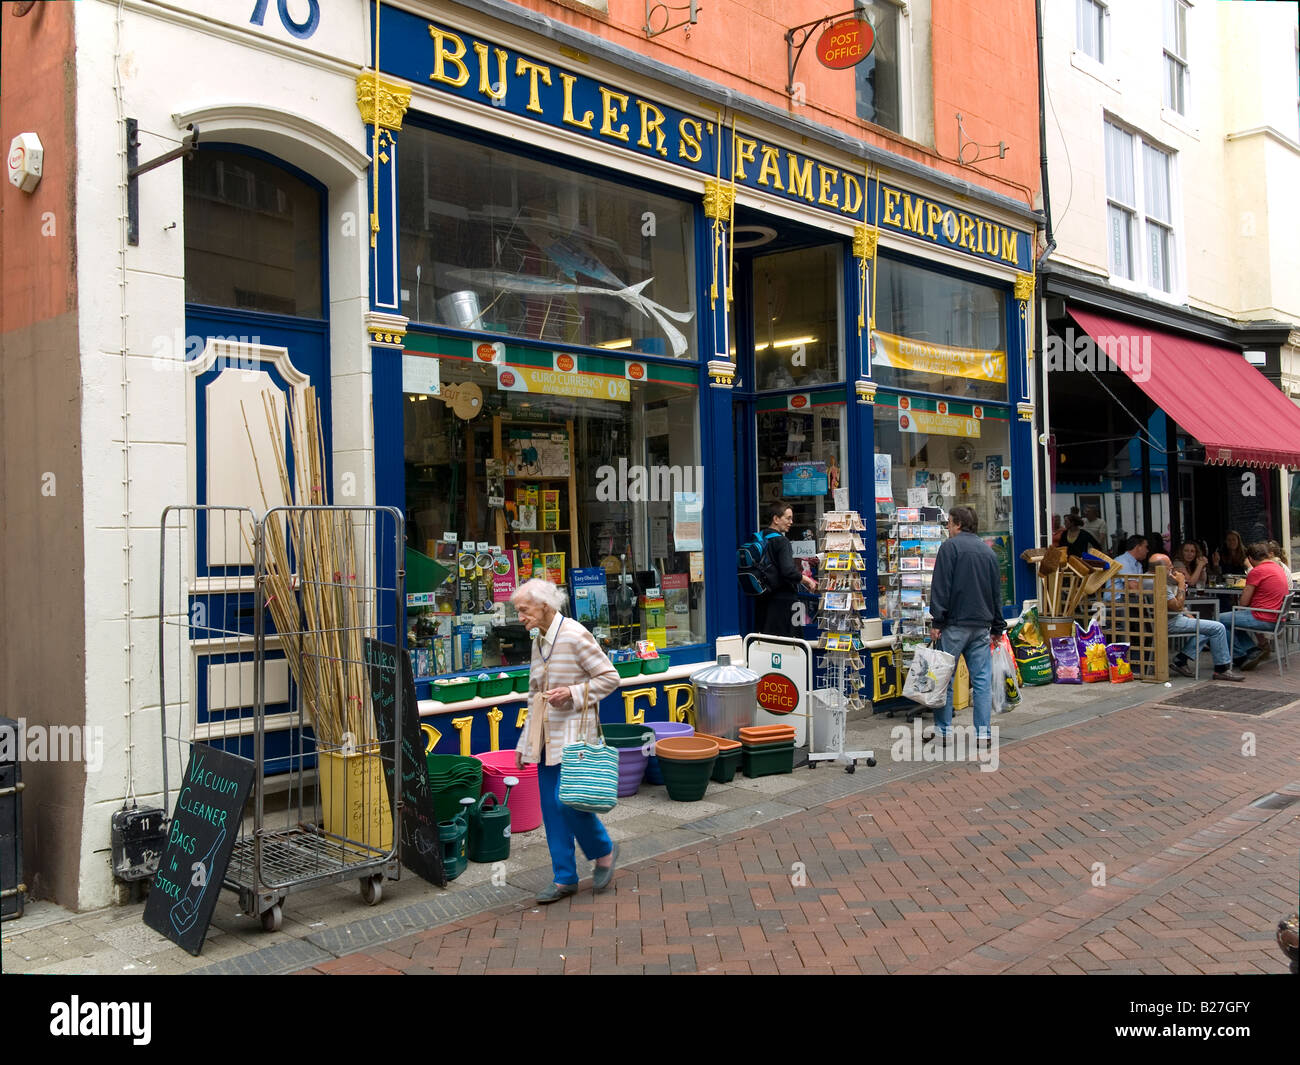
464	65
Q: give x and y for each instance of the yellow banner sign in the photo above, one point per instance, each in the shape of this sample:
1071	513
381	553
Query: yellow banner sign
924	421
546	382
924	357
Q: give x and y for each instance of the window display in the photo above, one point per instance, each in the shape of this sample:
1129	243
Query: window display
797	315
936	333
509	245
941	454
602	497
801	449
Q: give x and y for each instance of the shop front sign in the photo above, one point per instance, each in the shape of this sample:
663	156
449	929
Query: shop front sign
548	382
845	44
484	72
935	424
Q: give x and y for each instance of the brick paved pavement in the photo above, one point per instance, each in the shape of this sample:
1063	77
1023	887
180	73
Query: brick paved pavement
1126	844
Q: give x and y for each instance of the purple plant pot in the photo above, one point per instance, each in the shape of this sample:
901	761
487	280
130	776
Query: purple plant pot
662	730
631	769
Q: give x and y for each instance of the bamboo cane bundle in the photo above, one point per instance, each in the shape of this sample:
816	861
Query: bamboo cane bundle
310	573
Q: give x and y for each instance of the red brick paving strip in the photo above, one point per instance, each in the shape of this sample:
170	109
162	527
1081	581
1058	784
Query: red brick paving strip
954	871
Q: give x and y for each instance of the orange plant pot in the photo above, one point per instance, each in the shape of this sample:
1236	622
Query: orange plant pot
686	748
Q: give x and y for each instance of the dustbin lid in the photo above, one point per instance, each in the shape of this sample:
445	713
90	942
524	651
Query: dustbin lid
724	675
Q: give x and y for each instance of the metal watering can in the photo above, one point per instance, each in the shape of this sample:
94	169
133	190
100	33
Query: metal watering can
489	826
452	835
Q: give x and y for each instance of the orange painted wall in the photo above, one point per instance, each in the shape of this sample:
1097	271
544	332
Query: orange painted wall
984	65
37	238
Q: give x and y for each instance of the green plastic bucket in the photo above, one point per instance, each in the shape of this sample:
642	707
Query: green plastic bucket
452	778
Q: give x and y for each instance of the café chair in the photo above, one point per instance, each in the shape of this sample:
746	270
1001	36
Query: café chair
1277	634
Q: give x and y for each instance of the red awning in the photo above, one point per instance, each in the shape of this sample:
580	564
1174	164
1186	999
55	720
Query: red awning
1210	391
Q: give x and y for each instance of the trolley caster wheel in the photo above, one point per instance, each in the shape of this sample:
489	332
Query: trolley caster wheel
372	890
871	763
852	767
272	918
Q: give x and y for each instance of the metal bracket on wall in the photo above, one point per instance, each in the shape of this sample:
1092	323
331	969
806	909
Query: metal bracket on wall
794	51
652	9
964	142
134	168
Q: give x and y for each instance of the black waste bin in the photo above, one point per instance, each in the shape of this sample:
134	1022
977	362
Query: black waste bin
11	822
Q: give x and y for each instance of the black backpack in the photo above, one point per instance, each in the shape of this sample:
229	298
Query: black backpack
757	571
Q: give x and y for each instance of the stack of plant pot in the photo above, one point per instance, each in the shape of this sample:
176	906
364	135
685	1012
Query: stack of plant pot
767	749
633	743
664	730
729	755
686	763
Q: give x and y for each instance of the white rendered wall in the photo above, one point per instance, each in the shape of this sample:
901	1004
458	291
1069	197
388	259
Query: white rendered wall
252	86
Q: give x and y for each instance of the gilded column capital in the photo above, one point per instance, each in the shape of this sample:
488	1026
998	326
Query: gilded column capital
866	390
722	373
1026	411
382	103
864	241
719	200
386	330
1024	289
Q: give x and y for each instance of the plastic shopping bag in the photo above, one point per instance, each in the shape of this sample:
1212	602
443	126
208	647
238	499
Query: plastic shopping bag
928	678
1005	678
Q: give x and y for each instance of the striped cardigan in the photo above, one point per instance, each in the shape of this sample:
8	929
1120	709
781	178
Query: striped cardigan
576	662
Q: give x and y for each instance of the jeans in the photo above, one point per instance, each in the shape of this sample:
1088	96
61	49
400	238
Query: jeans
1211	632
971	642
564	824
1244	641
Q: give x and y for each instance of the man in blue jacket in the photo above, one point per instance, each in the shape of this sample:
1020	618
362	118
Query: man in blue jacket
966	612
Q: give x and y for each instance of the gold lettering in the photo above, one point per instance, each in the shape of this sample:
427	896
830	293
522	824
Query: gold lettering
683	710
485	86
463	725
769	168
880	661
689	149
634	715
891	203
454	55
801	183
522	717
534	71
979	232
852	195
743	148
651	126
933	213
824	186
569	118
993	246
494	717
912	213
950	228
967	228
610	114
1009	247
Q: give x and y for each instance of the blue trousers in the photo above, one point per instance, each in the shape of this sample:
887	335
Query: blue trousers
564	824
1247	624
972	643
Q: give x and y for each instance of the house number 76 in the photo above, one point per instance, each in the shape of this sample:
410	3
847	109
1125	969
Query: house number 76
301	30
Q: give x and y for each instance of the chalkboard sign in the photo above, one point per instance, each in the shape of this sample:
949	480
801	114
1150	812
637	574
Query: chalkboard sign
421	852
200	839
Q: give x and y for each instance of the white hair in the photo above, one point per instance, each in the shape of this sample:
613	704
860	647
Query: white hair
541	592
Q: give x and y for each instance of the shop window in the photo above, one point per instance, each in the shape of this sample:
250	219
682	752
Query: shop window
601	496
879	76
797	315
502	244
936	333
252	236
947	454
801	449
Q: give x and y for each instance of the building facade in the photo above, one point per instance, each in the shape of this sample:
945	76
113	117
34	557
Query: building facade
573	292
1172	141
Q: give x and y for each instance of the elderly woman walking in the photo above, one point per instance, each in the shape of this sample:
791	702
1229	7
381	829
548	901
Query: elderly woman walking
569	669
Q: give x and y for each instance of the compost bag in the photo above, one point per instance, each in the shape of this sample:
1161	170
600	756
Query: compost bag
1030	649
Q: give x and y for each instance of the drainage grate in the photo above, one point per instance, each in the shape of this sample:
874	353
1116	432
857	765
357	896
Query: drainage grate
1230	699
1274	801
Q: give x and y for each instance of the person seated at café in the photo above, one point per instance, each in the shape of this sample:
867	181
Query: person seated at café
1204	629
1276	553
1135	554
1192	564
1266	588
1076	540
1231	557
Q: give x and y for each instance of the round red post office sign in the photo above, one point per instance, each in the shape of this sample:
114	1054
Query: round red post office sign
777	693
845	44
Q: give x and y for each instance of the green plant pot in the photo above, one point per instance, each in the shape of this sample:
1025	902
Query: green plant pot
627	735
628	669
496	686
452	778
724	769
765	761
686	781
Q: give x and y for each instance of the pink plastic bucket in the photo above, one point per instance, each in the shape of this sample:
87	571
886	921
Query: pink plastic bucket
525	797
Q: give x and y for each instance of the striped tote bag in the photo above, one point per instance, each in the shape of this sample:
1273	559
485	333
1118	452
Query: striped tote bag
589	772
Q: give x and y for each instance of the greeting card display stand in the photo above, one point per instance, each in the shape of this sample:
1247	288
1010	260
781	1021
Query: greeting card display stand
840	619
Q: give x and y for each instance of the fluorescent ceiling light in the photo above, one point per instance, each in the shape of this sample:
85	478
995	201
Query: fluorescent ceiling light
614	345
792	342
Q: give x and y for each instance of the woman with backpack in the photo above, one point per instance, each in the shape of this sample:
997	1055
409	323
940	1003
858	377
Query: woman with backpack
774	612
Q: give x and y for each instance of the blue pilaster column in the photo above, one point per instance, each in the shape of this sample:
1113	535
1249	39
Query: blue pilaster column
1024	484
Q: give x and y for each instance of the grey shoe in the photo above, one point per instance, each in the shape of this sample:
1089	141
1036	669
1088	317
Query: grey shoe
556	892
1253	658
1227	674
600	878
1183	669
